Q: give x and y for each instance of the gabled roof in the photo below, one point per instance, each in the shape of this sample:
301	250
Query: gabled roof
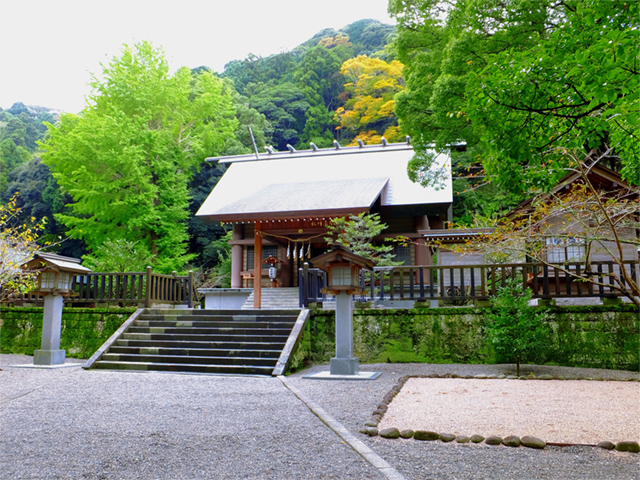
68	264
600	176
320	182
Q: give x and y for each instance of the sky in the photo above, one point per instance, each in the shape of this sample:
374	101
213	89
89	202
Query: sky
50	48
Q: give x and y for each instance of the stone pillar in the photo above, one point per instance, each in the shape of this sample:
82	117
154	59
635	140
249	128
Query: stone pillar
236	258
344	363
50	354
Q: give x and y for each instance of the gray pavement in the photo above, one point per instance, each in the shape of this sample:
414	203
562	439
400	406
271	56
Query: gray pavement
76	424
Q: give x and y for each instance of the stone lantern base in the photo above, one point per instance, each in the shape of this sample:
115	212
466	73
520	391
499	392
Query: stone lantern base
49	357
344	366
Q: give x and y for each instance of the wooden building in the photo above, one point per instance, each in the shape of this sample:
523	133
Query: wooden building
279	205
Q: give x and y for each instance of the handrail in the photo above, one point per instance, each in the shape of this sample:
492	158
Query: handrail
460	284
128	288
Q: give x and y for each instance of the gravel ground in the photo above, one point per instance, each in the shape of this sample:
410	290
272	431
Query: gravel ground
112	425
73	424
353	402
513	407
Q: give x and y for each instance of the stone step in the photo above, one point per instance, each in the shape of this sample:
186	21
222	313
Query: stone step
202	341
195	352
183	367
213	324
206	338
187	359
172	330
147	343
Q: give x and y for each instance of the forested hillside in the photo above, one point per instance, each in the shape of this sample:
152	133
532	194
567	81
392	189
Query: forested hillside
337	85
128	173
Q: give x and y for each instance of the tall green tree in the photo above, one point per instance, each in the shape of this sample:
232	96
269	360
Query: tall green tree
284	105
518	81
128	158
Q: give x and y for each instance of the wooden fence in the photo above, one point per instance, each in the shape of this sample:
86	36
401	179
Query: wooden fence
461	284
125	289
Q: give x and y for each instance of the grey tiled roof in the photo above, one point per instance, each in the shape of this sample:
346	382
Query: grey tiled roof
298	185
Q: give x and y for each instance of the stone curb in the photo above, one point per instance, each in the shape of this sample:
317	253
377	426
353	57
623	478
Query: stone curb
371	427
360	448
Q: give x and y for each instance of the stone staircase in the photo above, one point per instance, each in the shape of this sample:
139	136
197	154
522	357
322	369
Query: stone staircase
200	341
275	299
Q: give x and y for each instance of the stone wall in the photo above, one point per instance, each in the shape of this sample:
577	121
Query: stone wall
596	336
84	330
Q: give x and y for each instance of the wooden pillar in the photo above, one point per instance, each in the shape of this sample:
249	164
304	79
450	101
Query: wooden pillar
423	252
286	277
257	267
236	257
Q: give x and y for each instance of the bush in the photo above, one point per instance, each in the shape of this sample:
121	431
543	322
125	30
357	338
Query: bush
517	330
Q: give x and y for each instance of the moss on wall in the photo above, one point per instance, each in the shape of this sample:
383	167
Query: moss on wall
583	336
84	330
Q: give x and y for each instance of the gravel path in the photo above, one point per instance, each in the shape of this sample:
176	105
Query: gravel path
71	424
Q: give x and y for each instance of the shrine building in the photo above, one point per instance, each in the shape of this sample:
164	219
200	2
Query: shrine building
279	205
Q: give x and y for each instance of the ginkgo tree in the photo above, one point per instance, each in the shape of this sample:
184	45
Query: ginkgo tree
126	160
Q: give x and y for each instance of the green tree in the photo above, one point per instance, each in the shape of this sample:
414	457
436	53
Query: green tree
577	88
128	158
285	106
516	330
515	79
357	233
119	256
317	78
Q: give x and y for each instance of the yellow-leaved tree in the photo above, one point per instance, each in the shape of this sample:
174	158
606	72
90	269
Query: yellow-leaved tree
368	114
18	244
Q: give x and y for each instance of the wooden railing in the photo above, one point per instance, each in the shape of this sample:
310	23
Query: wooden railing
130	288
461	284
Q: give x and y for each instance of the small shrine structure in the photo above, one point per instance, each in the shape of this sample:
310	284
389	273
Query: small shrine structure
280	203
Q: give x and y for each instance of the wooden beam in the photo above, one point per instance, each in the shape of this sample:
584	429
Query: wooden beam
257	268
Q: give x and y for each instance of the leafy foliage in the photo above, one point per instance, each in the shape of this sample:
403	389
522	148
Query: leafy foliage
357	234
372	85
516	329
119	256
18	244
514	79
127	160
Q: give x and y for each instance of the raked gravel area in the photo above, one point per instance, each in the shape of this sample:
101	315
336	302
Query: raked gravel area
76	424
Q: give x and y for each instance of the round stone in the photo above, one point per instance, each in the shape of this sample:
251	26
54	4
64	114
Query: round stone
447	437
425	435
389	433
406	433
606	445
462	439
511	441
372	432
632	447
493	440
476	438
532	442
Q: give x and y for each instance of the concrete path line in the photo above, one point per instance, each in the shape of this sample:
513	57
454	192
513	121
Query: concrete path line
364	451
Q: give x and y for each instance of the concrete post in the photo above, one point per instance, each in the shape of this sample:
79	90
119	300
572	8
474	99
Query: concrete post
50	354
344	363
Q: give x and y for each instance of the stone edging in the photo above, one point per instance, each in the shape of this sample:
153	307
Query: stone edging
371	427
